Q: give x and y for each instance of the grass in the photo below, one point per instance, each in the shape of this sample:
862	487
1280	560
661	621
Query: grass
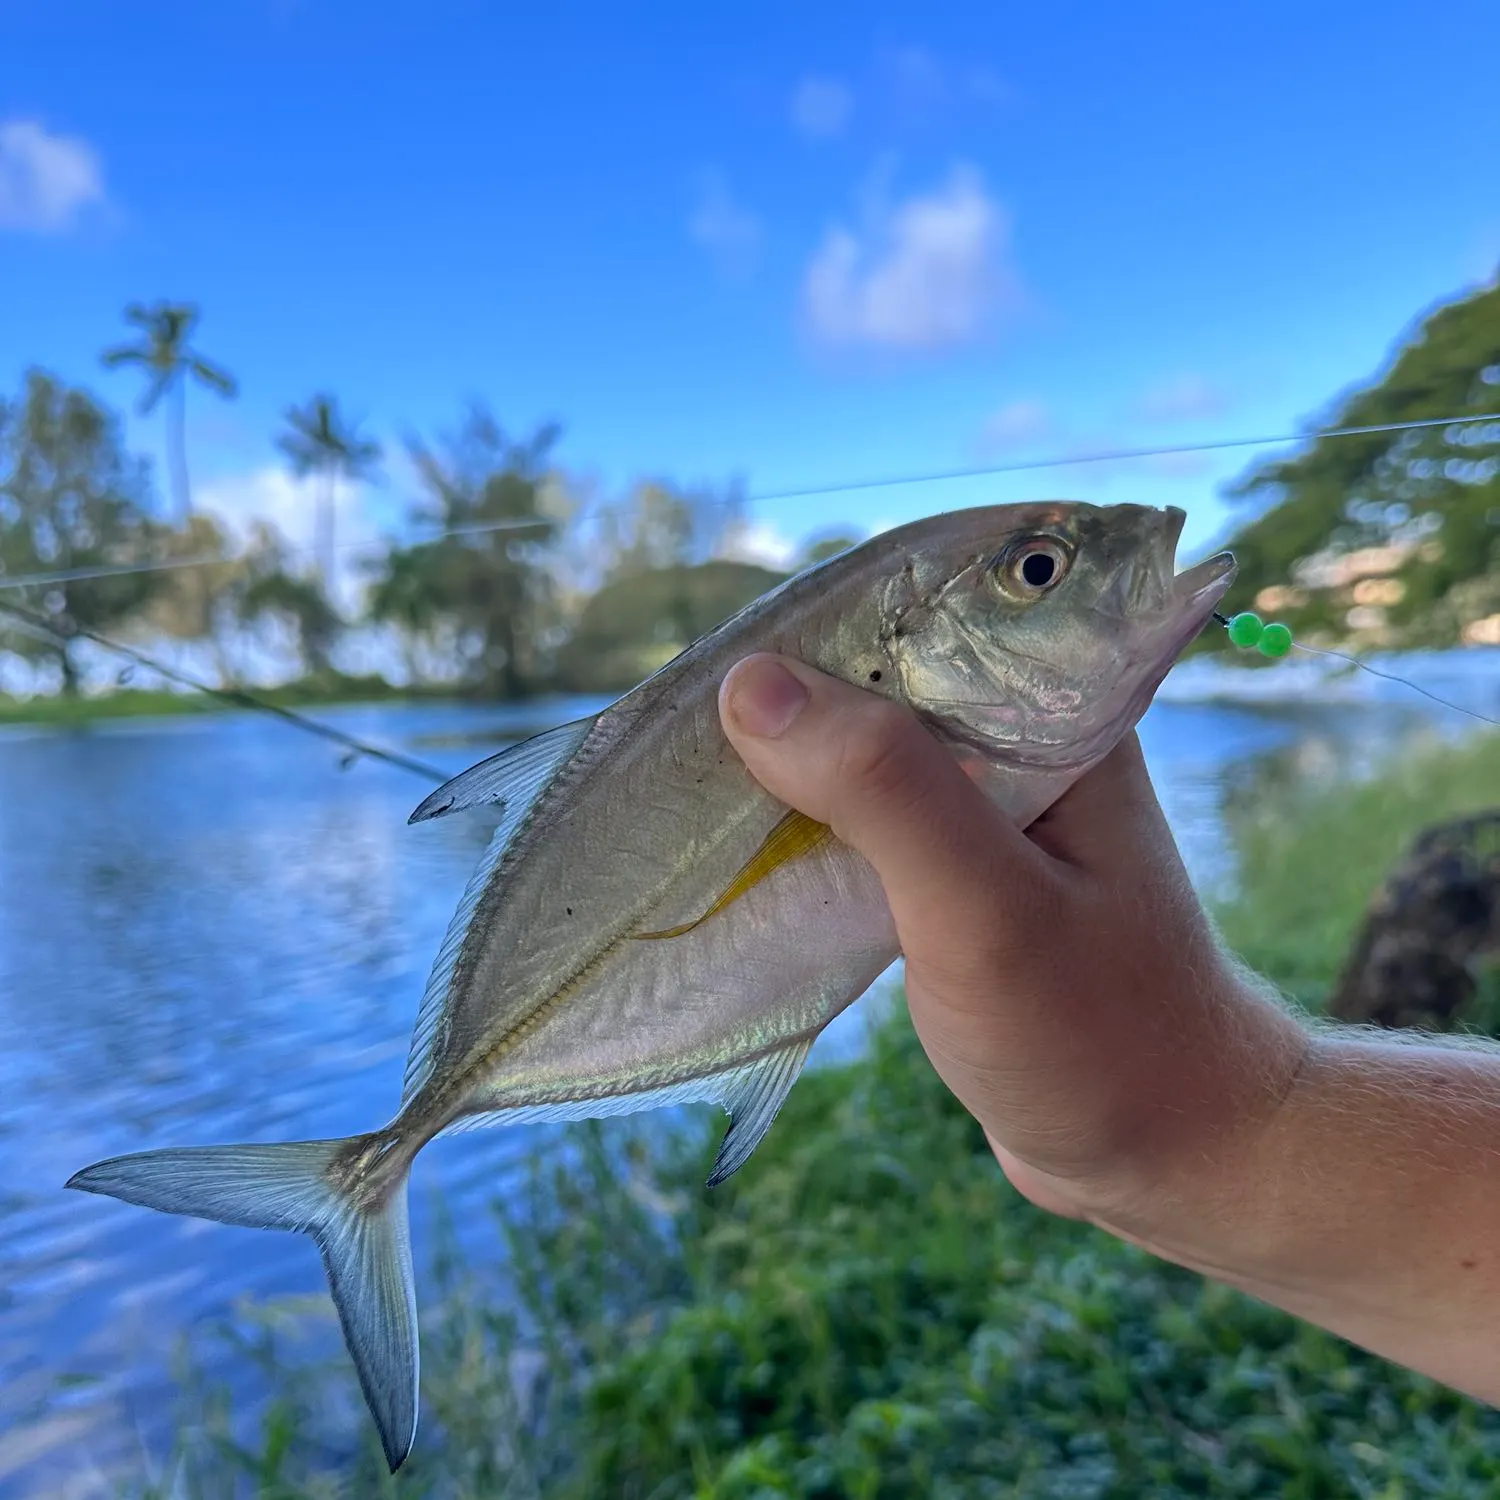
1311	845
134	703
867	1310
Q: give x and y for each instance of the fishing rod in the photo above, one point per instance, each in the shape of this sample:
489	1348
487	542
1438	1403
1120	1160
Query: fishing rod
1245	630
355	748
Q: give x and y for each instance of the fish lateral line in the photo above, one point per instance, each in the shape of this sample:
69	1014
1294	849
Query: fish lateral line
794	836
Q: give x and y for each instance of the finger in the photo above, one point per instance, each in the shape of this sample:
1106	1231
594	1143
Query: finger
952	865
1109	817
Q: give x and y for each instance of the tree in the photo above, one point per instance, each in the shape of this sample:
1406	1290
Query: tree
71	498
408	593
657	539
195	602
166	356
662	525
320	440
1390	538
488	577
639	621
266	588
820	548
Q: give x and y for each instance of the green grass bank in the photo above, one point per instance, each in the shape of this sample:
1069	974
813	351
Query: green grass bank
868	1311
142	703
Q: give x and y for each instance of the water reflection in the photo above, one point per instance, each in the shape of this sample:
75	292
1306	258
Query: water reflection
207	932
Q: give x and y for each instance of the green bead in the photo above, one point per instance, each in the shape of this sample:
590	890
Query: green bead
1245	630
1275	640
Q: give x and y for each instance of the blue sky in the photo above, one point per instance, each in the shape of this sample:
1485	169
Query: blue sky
796	244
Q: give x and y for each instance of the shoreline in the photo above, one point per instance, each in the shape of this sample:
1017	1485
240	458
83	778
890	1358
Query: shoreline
1219	680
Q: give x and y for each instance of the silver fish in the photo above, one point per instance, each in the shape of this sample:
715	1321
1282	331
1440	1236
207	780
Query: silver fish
649	926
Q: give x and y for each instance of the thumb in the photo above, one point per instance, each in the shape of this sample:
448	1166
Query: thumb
865	766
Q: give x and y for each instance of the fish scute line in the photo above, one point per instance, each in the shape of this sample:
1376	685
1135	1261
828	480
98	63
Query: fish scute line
498	1047
507	1041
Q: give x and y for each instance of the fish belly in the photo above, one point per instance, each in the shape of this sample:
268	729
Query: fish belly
778	964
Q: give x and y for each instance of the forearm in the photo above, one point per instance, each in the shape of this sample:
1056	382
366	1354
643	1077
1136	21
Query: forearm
1369	1204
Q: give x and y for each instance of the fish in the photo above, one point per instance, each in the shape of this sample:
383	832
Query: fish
648	926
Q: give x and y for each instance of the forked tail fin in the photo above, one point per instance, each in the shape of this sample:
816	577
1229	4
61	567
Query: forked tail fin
366	1246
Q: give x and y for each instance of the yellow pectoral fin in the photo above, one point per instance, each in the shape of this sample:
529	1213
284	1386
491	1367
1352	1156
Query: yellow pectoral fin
795	835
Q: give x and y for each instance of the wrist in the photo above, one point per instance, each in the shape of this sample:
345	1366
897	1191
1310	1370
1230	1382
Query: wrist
1184	1180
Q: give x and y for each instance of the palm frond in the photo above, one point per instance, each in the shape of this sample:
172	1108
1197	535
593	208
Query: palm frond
301	452
211	375
125	354
320	438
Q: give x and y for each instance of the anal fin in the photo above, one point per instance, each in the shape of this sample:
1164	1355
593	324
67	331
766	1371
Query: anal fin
752	1094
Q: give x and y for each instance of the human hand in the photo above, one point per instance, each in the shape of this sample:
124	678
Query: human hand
1068	988
1064	981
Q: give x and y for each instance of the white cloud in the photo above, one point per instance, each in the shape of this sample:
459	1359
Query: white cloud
761	542
727	230
1185	398
290	505
1015	424
924	274
266	494
45	179
821	106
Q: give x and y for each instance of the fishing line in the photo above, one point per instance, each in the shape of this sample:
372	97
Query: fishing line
1271	640
1247	631
806	492
1117	455
356	748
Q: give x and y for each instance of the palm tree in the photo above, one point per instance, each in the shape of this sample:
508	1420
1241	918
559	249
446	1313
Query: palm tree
166	356
320	440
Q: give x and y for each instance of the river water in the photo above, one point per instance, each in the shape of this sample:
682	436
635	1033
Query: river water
210	932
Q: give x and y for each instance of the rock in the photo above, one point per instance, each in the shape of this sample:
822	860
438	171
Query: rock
1429	930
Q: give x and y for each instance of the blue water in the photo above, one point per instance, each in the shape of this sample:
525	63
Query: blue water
209	932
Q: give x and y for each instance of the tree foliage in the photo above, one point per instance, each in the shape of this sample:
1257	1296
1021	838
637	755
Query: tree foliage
166	357
267	588
820	548
637	622
71	498
1390	538
319	439
487	577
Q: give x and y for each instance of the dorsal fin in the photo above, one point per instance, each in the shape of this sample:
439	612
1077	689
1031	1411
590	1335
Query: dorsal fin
507	775
515	778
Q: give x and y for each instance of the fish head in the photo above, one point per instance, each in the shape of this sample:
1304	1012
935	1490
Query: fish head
1038	634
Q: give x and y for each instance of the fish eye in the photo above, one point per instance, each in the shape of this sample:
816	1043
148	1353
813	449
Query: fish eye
1032	566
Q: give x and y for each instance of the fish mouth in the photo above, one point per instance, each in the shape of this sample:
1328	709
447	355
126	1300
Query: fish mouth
1195	594
1205	583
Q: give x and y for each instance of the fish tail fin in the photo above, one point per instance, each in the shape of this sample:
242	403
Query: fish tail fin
362	1233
